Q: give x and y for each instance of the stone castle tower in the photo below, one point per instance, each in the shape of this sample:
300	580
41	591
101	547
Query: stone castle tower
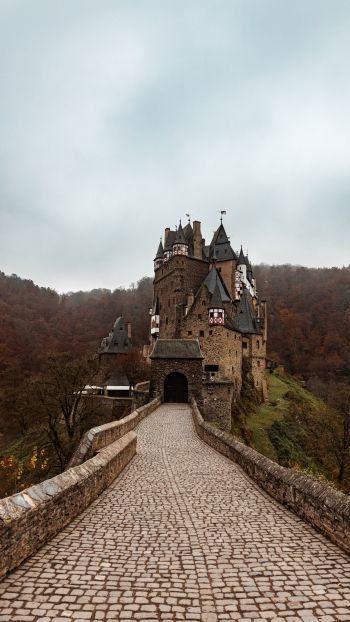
208	326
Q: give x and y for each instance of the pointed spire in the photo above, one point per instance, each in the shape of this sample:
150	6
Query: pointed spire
216	300
180	236
241	258
223	246
160	250
216	309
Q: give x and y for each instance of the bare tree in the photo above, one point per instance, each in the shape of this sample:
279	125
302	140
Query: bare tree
63	403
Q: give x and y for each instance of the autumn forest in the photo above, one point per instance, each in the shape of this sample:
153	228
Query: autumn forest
308	324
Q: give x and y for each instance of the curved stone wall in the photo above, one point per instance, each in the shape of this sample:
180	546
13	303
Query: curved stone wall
326	509
30	518
103	435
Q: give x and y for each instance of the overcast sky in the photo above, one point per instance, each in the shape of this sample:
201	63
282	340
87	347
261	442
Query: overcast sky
118	117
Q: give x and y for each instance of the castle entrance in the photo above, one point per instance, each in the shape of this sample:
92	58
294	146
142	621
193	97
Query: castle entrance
176	388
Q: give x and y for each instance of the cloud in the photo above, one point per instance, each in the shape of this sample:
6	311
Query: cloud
117	118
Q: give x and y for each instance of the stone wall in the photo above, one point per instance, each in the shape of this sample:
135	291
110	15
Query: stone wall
103	435
191	369
140	394
326	509
30	518
172	283
216	403
258	364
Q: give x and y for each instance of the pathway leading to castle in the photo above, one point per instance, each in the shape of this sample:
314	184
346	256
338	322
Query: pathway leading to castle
182	534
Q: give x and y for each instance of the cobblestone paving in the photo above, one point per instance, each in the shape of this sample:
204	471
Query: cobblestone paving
181	535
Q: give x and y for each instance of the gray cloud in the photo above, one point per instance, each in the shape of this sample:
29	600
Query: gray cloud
117	118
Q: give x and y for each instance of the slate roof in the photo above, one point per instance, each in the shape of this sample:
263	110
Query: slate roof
245	321
212	280
117	380
241	258
117	341
160	251
216	300
222	245
176	349
180	237
188	231
170	240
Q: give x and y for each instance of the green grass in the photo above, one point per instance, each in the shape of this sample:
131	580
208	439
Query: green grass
266	414
290	428
270	416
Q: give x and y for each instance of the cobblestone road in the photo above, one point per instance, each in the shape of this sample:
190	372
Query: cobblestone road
181	535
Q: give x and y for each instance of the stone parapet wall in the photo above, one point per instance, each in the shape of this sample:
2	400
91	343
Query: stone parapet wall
30	518
326	509
103	435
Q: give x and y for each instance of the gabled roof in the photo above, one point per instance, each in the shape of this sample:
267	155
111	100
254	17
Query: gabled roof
245	321
118	341
176	349
160	251
220	241
212	280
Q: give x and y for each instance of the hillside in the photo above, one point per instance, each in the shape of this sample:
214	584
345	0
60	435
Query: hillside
296	429
308	319
35	321
308	333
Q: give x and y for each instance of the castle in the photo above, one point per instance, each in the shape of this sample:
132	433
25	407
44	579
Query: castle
208	327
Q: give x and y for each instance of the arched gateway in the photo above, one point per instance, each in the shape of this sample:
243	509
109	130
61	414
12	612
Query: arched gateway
177	369
176	388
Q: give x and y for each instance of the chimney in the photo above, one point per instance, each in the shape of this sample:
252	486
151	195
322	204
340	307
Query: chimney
128	326
166	233
197	239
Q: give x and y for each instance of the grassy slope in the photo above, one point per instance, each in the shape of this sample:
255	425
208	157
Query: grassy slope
289	428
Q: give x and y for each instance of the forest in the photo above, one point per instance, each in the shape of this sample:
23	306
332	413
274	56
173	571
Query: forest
308	335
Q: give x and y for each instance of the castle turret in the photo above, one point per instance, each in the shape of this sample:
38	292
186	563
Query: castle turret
216	309
180	246
158	261
241	264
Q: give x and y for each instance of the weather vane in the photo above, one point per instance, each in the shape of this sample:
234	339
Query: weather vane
189	217
223	213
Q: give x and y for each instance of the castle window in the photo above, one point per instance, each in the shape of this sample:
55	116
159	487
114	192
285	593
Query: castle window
199	316
166	321
258	344
203	303
189	332
210	332
245	345
258	363
211	367
201	333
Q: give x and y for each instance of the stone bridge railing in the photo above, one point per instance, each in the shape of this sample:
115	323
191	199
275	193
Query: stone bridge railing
326	509
30	518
